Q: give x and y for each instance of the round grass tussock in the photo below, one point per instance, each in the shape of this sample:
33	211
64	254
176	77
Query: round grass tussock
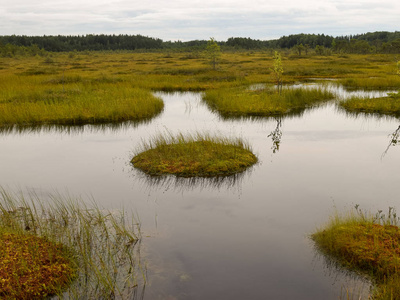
369	246
32	267
188	156
266	102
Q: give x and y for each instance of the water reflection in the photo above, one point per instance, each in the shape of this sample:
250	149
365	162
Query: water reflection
353	285
340	91
184	184
276	135
72	129
363	115
249	245
394	140
294	113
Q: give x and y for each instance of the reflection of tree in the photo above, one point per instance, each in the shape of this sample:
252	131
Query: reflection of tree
394	140
276	135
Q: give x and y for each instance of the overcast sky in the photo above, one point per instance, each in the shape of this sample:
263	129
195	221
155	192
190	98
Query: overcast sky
198	19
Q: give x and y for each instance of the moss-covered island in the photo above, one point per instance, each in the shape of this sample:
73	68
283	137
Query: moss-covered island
194	156
366	245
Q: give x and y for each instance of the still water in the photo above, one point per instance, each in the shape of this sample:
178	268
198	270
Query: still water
236	239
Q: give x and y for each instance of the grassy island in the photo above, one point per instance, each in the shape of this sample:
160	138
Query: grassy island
194	156
389	105
366	245
78	101
265	102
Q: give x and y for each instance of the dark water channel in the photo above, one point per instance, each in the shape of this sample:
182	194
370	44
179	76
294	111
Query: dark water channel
243	239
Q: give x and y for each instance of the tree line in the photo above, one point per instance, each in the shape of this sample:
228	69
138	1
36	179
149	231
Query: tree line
90	42
375	42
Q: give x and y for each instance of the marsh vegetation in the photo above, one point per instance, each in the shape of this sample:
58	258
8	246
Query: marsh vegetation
389	105
33	267
73	100
198	155
367	244
264	102
112	87
81	88
55	245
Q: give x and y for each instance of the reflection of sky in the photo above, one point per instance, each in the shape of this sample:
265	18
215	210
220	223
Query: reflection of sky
246	241
191	20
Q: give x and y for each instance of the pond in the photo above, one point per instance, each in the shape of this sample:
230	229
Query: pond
240	238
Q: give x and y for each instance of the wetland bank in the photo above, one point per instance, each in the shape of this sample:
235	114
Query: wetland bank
225	239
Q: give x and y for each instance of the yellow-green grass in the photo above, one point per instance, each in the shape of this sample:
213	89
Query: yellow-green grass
33	267
63	247
386	105
199	155
91	87
267	102
375	83
73	100
192	71
367	245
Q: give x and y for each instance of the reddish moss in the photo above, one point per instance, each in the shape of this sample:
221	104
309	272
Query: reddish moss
367	248
372	248
32	267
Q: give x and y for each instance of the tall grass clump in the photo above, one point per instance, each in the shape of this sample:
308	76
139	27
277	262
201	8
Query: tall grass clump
366	244
248	102
69	249
389	105
198	155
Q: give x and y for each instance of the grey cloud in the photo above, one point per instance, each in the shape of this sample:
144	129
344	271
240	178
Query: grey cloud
179	19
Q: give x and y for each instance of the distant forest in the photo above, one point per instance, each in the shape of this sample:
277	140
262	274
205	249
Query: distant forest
372	42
